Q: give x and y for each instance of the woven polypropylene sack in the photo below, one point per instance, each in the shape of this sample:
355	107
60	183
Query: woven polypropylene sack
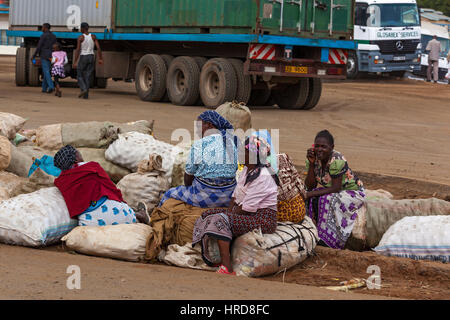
12	183
237	114
147	188
122	241
131	148
383	213
114	171
255	254
5	153
35	219
95	134
10	124
419	238
4	194
49	137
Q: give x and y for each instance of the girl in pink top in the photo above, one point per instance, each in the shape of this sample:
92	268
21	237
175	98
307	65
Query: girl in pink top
253	206
59	60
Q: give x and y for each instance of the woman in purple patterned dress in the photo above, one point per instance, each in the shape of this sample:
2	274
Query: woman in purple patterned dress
333	207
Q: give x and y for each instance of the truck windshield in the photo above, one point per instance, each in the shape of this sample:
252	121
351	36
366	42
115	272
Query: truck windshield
392	15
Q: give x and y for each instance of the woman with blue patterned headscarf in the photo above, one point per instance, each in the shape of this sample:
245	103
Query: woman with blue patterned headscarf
211	167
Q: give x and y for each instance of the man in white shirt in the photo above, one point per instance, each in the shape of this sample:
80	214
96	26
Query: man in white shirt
86	64
434	51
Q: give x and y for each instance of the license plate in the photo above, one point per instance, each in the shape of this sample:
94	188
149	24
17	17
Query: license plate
294	69
401	58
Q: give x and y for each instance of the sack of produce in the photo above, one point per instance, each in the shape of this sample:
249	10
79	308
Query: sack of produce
49	137
12	183
187	256
419	238
147	185
114	171
238	114
36	219
4	194
123	241
23	157
131	148
379	215
5	153
10	124
255	254
92	134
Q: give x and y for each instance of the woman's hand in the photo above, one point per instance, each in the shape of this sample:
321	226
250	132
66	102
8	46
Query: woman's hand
311	156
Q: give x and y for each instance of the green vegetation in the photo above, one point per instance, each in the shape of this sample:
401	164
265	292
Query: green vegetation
439	5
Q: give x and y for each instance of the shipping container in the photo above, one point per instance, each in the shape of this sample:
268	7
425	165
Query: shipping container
308	18
200	51
63	15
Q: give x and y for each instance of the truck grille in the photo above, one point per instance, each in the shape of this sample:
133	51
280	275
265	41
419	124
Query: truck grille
397	46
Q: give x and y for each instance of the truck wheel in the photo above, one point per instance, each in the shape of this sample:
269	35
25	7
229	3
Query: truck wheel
352	65
167	61
259	97
315	91
399	74
201	61
101	83
183	80
33	72
150	78
244	83
218	82
292	96
21	67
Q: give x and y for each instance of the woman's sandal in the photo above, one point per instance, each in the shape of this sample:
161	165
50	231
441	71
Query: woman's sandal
224	270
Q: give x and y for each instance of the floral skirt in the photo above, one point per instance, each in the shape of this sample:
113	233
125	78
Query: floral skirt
335	215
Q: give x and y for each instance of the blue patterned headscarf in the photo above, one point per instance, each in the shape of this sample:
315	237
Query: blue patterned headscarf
219	122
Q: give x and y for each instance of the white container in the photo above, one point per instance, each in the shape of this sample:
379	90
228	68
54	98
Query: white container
63	15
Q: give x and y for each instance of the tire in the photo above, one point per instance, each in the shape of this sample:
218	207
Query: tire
352	65
167	61
259	97
33	72
183	81
101	83
315	91
244	83
150	78
21	67
293	96
200	62
218	82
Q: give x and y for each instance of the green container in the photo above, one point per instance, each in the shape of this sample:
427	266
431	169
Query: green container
236	17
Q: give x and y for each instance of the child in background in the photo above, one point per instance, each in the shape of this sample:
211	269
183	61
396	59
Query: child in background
59	59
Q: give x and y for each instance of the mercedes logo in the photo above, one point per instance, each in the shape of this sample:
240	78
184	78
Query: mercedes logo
399	45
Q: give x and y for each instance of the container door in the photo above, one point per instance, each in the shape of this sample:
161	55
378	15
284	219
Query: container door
332	17
284	17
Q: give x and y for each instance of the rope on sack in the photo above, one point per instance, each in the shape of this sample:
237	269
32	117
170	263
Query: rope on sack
285	242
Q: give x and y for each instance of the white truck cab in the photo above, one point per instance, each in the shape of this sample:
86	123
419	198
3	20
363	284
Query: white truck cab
388	34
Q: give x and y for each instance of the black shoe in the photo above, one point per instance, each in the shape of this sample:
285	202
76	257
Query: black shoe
82	94
50	90
428	80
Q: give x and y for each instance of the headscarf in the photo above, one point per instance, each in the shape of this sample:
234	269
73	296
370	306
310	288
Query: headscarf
217	121
65	158
259	146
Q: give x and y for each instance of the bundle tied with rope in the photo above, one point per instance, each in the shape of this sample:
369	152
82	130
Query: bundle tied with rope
238	114
172	223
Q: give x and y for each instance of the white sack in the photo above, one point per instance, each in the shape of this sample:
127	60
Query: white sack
35	219
254	254
122	241
131	148
419	238
187	257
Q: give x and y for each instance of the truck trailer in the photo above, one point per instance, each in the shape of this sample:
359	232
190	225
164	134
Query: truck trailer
388	37
200	52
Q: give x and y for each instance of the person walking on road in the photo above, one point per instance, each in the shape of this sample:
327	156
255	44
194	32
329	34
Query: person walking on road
434	50
44	50
86	63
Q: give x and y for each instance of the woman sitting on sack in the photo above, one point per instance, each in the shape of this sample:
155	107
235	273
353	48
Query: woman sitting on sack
334	206
254	206
210	176
89	193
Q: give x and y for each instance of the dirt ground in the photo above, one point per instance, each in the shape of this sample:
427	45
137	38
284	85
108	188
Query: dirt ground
394	133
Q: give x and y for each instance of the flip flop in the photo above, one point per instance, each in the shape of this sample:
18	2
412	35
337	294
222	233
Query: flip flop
224	270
